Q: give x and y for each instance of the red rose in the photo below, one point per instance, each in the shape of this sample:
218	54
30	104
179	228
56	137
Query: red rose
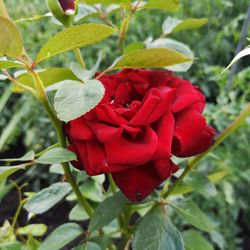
144	118
68	6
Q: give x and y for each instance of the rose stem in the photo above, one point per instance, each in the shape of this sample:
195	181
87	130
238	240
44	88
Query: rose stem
78	55
79	58
194	162
125	25
121	221
61	138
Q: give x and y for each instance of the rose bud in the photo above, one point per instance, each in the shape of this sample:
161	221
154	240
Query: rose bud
68	6
145	117
63	10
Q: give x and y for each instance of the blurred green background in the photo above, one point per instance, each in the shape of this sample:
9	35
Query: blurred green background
24	126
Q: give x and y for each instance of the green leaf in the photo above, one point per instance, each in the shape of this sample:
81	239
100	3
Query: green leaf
8	65
100	179
244	52
169	5
48	76
32	244
56	169
56	155
173	25
33	18
219	239
103	214
90	190
150	58
84	11
30	156
217	176
177	46
15	245
155	231
103	241
7	171
189	210
108	2
5	96
61	236
78	213
228	190
81	73
74	99
47	198
36	230
88	246
10	40
195	241
184	188
16	118
201	184
74	37
133	47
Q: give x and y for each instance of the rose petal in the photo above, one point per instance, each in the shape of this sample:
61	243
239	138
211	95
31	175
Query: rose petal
77	164
132	151
165	168
124	93
186	95
199	144
105	113
156	103
137	183
67	4
164	129
189	125
105	132
78	130
92	155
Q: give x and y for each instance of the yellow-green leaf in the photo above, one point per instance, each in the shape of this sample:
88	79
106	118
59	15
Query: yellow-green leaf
49	76
126	2
10	40
172	25
170	5
7	171
74	37
151	58
33	229
9	64
190	23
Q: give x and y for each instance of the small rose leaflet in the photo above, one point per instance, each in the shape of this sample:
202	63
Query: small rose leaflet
145	117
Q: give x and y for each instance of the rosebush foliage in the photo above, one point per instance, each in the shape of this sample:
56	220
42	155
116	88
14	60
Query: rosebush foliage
218	186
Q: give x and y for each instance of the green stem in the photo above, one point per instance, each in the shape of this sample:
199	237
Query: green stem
111	183
113	189
125	26
62	142
21	202
79	58
194	162
123	32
